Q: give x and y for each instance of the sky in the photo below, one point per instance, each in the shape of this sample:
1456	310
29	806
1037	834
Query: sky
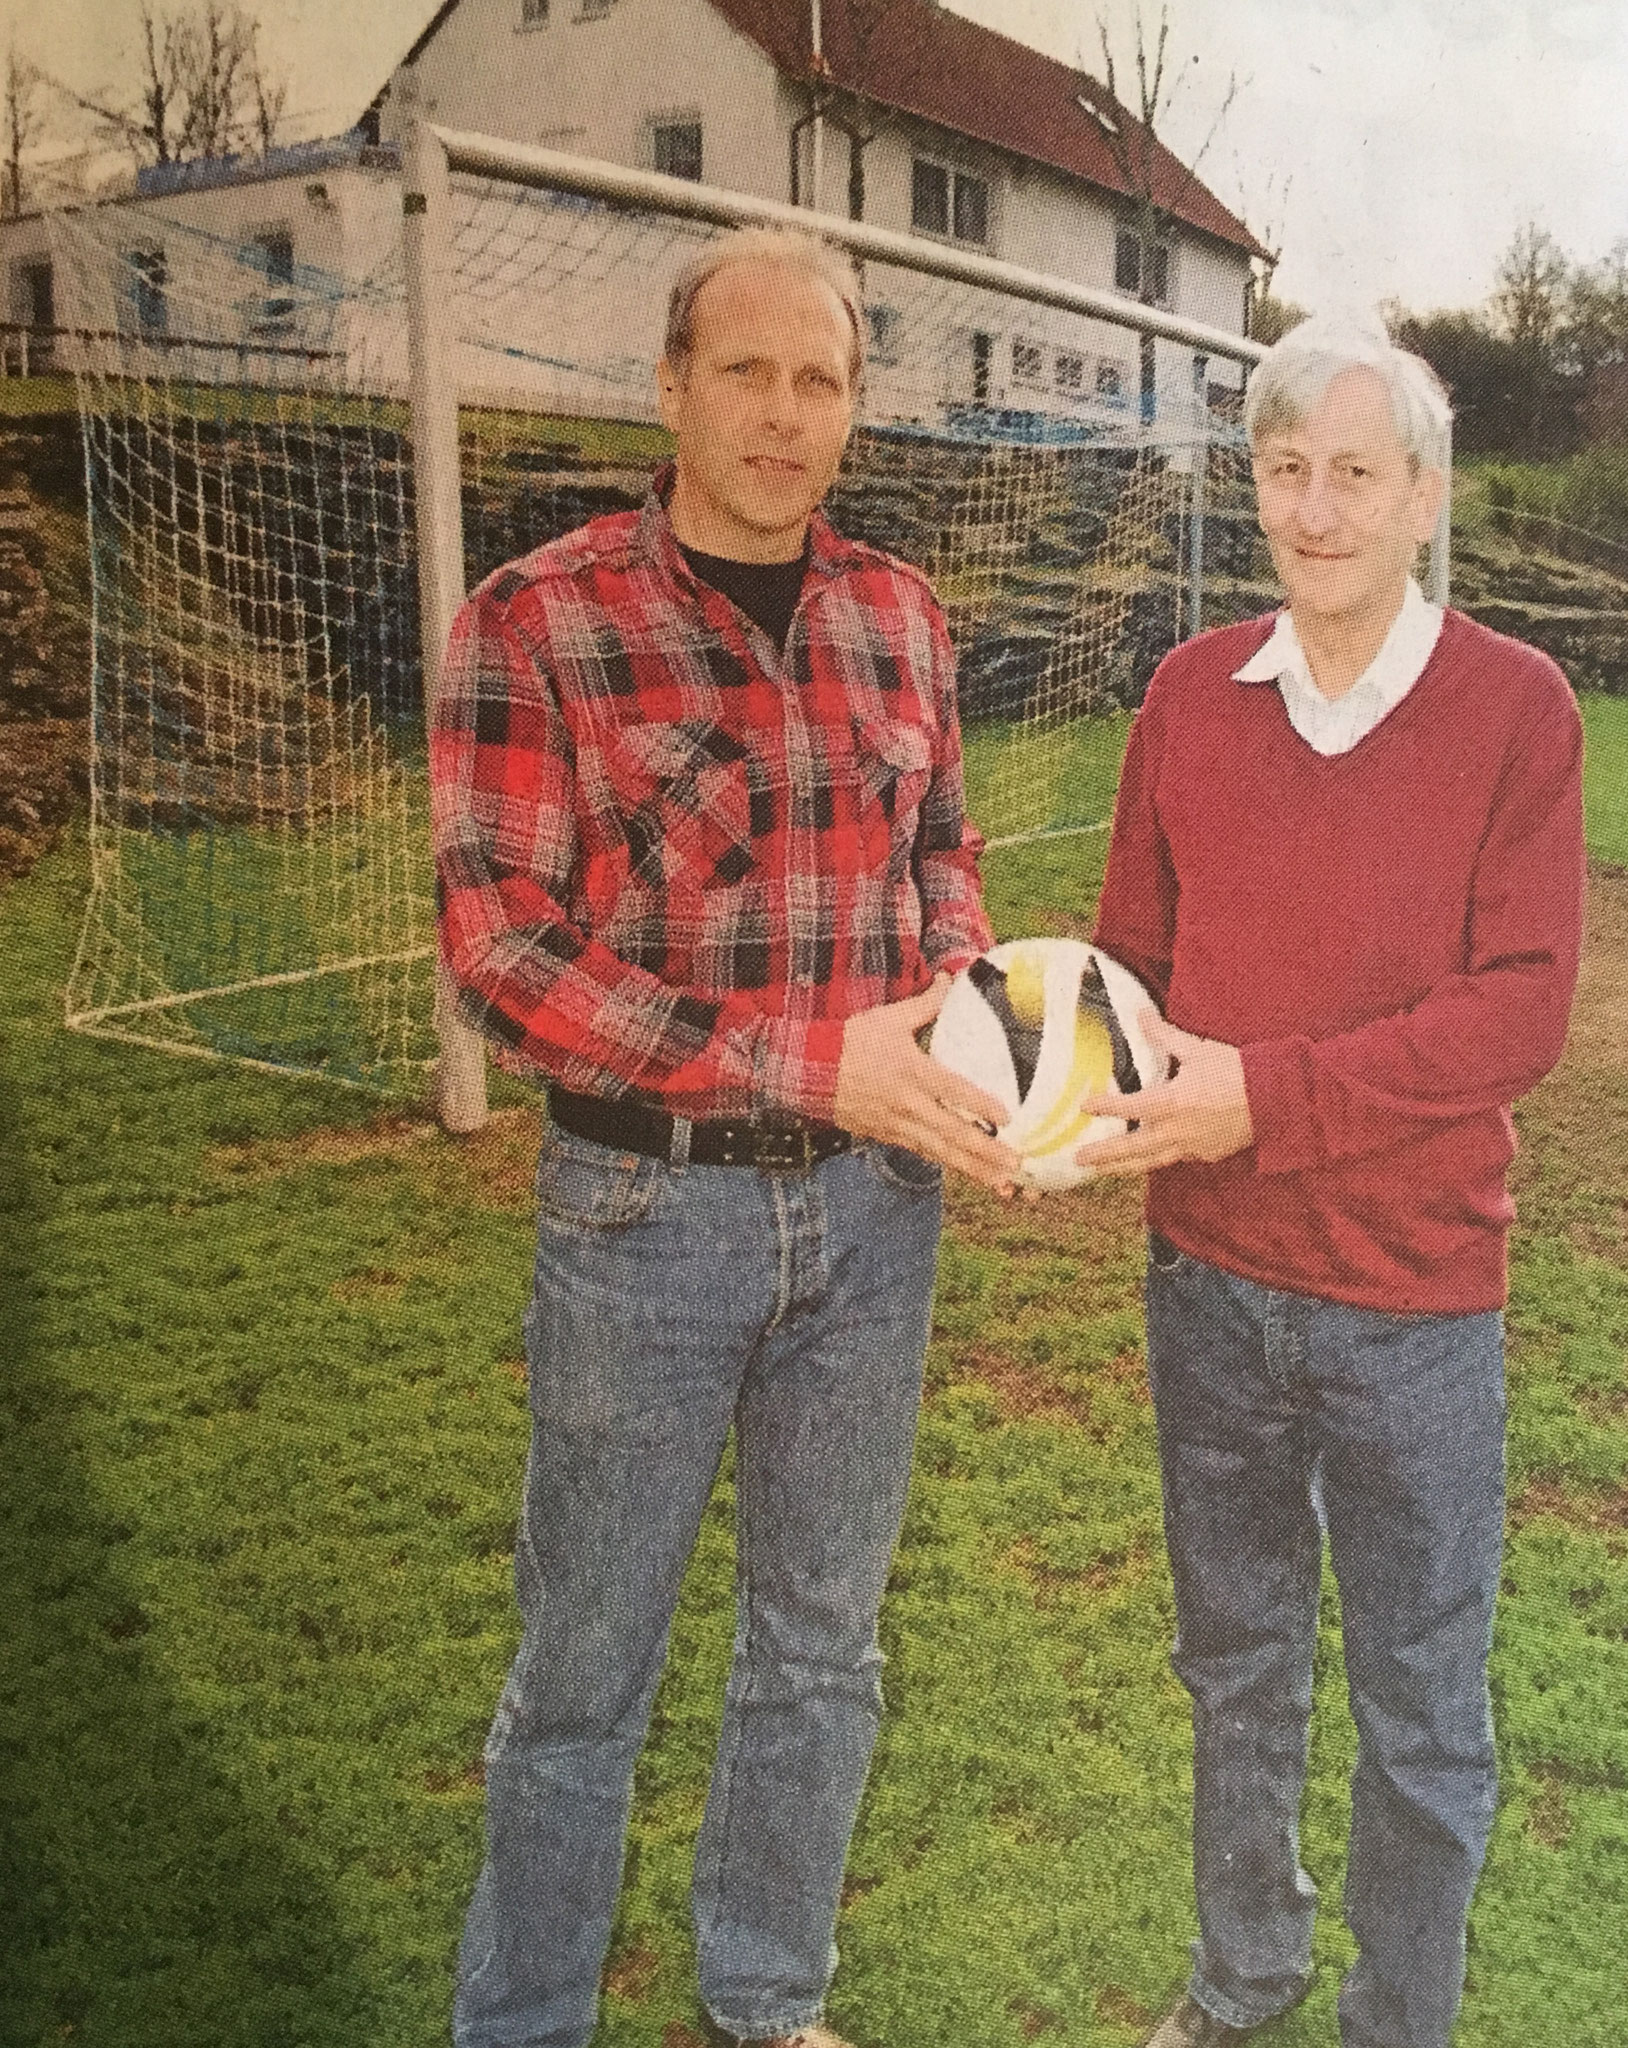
1391	148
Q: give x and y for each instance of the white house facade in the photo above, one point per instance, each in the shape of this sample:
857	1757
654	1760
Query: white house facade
260	269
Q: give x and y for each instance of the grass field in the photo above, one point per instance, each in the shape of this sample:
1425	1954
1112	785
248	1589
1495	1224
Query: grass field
1605	739
263	1416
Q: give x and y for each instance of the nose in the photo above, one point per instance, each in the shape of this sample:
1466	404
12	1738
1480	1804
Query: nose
779	412
1318	510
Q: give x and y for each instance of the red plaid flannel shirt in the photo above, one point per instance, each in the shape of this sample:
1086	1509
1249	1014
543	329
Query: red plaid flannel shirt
671	862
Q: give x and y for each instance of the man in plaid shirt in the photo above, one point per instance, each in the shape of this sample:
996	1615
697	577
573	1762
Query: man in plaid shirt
704	869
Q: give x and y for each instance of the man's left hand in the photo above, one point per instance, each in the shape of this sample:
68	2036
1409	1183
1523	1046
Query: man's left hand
1202	1113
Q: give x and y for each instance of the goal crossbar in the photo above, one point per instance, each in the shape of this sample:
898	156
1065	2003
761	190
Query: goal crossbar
551	170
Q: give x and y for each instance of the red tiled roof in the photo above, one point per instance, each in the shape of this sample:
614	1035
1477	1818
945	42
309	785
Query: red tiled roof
927	61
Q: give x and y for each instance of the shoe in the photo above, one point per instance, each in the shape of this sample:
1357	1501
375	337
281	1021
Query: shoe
815	2036
1188	2025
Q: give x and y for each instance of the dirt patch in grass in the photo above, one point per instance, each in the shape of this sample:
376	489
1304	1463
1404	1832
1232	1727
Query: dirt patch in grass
1118	2008
1575	1123
442	1784
1051	1582
1094	1224
1548	1815
492	1168
1023	1391
1026	1392
1599	1028
383	1137
630	1973
1034	2020
368	1283
1601	1509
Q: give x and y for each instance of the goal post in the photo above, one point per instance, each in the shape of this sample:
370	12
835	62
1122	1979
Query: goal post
296	471
460	1083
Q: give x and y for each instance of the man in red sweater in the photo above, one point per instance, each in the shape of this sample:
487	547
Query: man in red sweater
1347	859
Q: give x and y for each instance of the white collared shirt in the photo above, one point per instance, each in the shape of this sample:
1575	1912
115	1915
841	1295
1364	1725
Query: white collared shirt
1333	725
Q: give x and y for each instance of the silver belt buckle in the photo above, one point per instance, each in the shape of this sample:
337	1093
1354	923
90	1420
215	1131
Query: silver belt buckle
782	1145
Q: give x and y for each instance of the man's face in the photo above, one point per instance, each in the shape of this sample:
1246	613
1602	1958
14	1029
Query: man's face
1341	508
760	411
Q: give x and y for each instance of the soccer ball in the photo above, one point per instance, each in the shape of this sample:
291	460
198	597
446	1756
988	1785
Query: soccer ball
1039	1024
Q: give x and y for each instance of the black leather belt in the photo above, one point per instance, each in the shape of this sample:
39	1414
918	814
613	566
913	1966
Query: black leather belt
776	1142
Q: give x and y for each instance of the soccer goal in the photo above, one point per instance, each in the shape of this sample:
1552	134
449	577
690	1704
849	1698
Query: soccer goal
293	478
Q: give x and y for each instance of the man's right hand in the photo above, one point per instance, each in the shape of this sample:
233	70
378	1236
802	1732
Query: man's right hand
889	1089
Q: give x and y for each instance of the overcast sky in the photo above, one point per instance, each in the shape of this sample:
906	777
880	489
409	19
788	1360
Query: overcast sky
1416	136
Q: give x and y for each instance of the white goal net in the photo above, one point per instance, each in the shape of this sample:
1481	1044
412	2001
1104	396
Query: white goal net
261	879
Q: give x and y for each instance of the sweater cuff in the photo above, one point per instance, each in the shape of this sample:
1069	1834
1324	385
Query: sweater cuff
1277	1082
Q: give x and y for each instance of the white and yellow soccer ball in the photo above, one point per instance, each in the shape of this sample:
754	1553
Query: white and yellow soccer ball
1040	1024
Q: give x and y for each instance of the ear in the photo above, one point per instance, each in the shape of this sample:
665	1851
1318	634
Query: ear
1429	489
669	391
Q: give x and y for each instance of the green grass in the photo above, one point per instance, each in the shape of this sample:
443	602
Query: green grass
1605	774
33	397
1586	492
262	1440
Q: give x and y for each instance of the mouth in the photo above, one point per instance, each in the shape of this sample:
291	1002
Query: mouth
773	465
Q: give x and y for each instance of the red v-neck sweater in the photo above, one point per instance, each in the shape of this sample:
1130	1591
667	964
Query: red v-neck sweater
1390	934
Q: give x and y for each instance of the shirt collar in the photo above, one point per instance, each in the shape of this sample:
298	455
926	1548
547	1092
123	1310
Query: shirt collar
828	553
1389	676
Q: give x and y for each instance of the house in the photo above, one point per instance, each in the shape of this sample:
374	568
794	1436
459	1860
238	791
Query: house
930	123
909	116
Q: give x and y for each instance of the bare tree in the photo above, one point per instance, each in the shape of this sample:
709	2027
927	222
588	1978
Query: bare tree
204	90
269	97
1534	276
1155	194
851	107
23	117
1268	216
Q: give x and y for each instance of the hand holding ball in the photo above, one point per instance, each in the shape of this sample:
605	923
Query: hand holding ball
1040	1024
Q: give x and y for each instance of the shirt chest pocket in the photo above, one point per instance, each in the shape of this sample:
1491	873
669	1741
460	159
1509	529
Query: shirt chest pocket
893	765
688	802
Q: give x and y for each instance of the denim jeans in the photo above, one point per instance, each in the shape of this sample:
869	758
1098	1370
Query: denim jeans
671	1302
1279	1415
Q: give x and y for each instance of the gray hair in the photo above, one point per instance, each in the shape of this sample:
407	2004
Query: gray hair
1289	383
787	246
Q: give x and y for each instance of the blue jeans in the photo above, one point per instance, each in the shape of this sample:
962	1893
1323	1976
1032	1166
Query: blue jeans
672	1301
1279	1415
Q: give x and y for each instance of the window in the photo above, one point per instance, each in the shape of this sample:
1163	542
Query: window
971	209
982	349
1110	381
149	274
35	295
533	13
271	252
676	149
1070	372
594	10
930	198
951	203
1128	267
1028	362
882	333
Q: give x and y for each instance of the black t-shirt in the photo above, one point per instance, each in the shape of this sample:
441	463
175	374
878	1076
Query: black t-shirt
766	591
